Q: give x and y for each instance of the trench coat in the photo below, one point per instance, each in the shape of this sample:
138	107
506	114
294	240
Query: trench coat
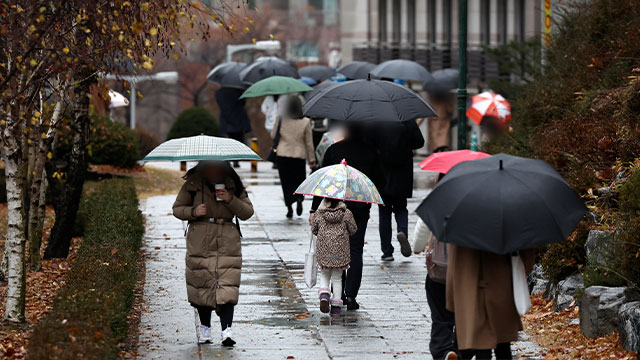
214	254
480	293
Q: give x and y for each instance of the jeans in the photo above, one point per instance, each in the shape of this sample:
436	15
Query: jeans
398	206
353	276
224	311
443	337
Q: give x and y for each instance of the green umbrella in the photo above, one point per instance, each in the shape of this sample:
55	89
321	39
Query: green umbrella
275	85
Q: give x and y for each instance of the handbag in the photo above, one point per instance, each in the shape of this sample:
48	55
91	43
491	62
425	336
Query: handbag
276	140
520	285
311	264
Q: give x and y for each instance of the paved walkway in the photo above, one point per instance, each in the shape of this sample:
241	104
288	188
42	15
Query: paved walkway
278	317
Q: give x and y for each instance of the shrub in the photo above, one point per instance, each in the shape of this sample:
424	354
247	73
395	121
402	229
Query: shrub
146	141
89	314
561	260
194	121
110	143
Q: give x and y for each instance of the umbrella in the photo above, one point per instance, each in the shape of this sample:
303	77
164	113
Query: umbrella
329	138
367	100
275	85
267	66
489	104
318	73
341	182
201	147
356	70
502	204
317	88
442	162
228	75
307	80
442	81
117	100
401	69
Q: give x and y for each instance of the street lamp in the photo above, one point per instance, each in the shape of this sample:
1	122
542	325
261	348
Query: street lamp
462	77
169	77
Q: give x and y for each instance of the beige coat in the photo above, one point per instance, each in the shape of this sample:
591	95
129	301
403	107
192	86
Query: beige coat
296	139
214	254
480	293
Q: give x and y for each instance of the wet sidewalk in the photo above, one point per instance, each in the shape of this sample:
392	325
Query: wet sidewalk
278	317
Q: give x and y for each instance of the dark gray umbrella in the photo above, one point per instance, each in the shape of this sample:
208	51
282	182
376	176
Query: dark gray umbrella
356	70
227	75
401	69
367	100
502	204
265	67
442	81
318	73
318	88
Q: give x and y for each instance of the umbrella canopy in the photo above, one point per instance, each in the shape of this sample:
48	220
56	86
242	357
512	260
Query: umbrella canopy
265	67
318	73
356	70
442	162
317	88
117	100
489	104
367	100
275	85
341	182
228	75
442	81
329	138
502	204
401	69
307	80
201	147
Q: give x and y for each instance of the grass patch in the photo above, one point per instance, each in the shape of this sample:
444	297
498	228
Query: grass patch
89	315
155	181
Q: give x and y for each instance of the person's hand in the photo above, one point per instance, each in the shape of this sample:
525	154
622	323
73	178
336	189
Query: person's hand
311	218
201	210
312	164
223	194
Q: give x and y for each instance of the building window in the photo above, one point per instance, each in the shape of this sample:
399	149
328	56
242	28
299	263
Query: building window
485	21
520	20
411	21
431	21
397	20
502	21
382	20
446	22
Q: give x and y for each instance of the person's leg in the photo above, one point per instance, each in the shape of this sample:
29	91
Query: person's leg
356	244
324	292
225	312
503	351
204	312
384	216
336	301
238	136
468	354
442	321
402	221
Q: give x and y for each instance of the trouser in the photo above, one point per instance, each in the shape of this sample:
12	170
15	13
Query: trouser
331	278
443	337
292	173
239	136
224	311
502	352
398	206
353	276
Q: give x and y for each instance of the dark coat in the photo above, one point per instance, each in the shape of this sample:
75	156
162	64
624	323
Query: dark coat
233	116
395	144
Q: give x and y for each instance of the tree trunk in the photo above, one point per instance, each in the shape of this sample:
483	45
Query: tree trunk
67	208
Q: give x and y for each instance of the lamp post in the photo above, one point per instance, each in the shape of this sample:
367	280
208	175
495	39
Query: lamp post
462	79
170	77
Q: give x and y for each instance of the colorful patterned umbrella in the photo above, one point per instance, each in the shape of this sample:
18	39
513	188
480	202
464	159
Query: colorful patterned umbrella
341	182
489	104
329	138
201	147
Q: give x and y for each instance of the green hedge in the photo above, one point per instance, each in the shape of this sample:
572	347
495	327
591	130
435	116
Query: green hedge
89	315
194	121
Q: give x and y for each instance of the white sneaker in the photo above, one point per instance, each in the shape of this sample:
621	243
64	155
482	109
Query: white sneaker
205	335
226	337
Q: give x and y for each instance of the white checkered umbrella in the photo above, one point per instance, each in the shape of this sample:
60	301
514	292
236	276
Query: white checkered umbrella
201	147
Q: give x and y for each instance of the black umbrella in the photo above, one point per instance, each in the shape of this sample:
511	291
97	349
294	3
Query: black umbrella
318	88
265	67
442	81
401	69
502	204
318	73
227	75
367	100
356	70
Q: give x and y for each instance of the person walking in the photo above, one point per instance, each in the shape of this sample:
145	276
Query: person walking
294	149
210	198
362	156
333	223
480	294
396	143
234	121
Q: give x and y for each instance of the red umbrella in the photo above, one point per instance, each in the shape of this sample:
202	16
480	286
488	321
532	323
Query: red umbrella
442	162
492	105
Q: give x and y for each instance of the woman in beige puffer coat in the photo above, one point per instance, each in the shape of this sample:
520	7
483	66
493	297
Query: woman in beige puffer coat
214	255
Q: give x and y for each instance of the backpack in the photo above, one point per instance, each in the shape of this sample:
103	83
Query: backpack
437	258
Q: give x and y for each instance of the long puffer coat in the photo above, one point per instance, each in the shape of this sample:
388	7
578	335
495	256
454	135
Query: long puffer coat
214	254
333	227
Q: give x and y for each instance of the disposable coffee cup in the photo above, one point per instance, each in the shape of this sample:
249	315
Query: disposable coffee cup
219	187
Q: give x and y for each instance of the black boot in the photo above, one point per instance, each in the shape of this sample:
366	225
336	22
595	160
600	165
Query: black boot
289	212
299	207
351	303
